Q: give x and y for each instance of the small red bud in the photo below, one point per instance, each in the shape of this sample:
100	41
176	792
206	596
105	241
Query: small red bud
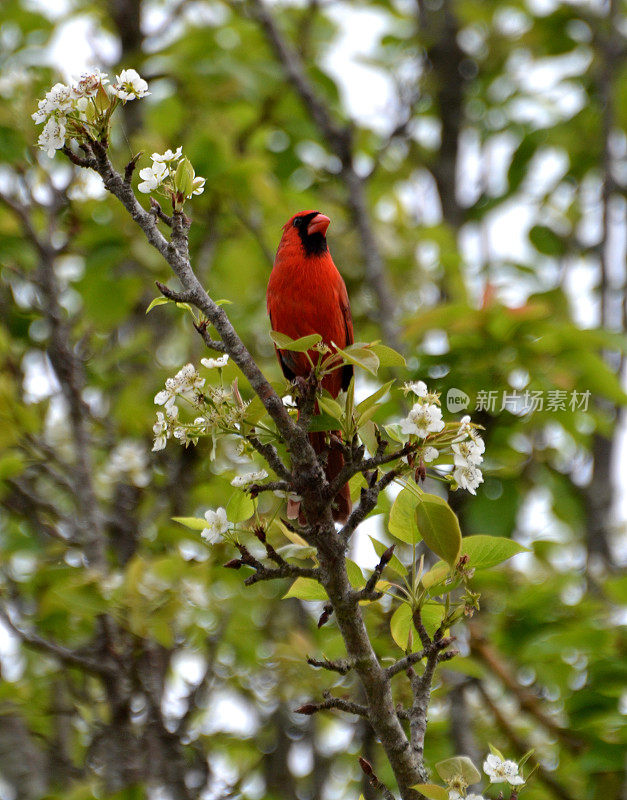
308	709
324	617
234	563
366	766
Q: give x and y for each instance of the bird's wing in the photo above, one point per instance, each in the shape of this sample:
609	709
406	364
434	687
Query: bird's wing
347	369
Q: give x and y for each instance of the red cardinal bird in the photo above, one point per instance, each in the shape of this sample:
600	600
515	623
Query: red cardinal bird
306	294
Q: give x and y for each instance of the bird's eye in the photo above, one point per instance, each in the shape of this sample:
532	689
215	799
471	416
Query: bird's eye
297	222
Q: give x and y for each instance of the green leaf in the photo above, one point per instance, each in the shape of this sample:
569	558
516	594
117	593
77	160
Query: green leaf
394	432
186	307
496	752
365	417
296	551
439	527
403	524
367	434
240	507
388	357
459	765
301	345
306	589
355	575
193	523
432	791
437	574
401	626
158	301
546	241
432	615
373	399
331	406
394	563
525	758
362	357
323	422
486	551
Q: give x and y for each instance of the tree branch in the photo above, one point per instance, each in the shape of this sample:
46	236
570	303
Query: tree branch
342	665
338	703
367	503
58	651
374	781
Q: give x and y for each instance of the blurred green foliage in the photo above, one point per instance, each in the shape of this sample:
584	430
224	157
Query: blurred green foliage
550	620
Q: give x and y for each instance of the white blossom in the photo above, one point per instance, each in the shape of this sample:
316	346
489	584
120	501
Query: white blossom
217	525
159	443
166	397
168	155
423	419
466	429
42	113
152	177
210	363
500	771
429	454
468	477
249	477
88	83
198	186
419	388
186	383
52	137
59	99
129	460
162	428
129	85
469	452
475	797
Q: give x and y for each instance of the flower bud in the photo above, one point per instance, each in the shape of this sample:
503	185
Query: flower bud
184	178
102	100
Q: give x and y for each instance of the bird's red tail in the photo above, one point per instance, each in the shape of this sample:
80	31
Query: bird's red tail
335	462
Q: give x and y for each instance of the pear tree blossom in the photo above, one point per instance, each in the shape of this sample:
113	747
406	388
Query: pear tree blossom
429	454
88	83
468	477
468	452
212	363
500	770
172	176
52	137
423	419
152	177
249	477
168	156
129	85
217	525
81	110
419	388
457	441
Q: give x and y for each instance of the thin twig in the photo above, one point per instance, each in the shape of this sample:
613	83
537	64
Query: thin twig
58	651
341	665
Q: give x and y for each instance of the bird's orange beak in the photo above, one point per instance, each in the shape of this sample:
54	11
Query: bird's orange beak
318	224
